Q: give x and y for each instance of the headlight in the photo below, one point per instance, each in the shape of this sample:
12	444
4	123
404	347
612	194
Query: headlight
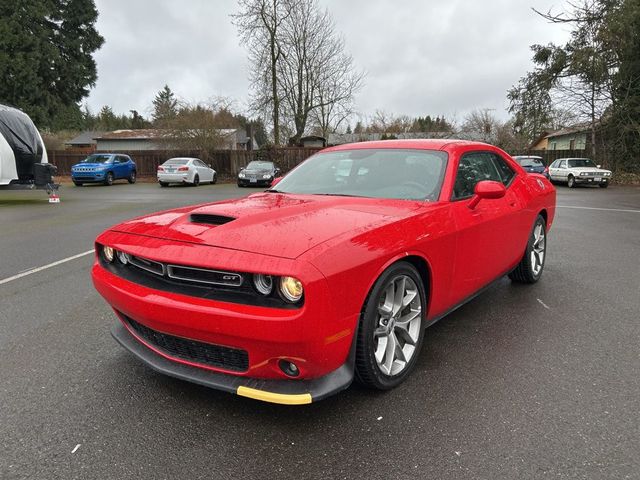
266	176
109	253
607	174
584	174
291	289
241	175
263	283
123	257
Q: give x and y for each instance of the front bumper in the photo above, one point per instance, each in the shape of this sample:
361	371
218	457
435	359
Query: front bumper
286	392
259	182
592	180
316	337
89	177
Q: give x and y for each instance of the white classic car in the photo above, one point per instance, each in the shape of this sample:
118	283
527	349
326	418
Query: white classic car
575	171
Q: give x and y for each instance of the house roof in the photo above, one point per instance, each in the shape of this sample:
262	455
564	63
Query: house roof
85	138
578	128
156	133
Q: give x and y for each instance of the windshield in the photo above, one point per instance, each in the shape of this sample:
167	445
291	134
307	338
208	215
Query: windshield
581	162
530	162
256	165
176	161
376	173
97	158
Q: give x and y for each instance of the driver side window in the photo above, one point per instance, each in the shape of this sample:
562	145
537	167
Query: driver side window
473	168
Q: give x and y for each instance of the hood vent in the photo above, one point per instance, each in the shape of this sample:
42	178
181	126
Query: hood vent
209	219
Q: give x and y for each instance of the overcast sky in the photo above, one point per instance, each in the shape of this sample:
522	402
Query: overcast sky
437	57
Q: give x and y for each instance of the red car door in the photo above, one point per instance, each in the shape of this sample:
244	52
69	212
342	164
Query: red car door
485	246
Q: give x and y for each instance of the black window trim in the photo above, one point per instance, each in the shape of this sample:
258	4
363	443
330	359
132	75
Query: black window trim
509	183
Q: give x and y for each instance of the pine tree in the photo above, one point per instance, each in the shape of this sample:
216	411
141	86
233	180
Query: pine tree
46	58
165	107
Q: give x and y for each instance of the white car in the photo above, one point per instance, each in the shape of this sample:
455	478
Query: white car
575	171
185	170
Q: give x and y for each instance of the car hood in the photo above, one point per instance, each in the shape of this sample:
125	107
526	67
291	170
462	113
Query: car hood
255	171
588	169
91	165
274	224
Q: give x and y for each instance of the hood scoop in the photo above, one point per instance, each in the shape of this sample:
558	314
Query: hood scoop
210	219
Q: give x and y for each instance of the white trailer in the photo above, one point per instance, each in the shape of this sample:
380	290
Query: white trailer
23	157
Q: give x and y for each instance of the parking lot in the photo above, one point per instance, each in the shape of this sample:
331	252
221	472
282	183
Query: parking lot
522	382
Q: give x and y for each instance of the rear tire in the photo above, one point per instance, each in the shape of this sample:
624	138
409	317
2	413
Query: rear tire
391	328
108	180
530	268
571	181
163	184
196	181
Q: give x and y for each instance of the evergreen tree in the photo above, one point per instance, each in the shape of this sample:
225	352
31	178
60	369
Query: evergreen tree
46	62
165	107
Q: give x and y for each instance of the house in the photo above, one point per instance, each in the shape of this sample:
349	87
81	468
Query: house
84	142
342	138
159	139
541	142
312	141
576	137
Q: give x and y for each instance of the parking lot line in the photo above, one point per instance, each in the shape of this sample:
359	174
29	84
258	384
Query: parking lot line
595	208
44	267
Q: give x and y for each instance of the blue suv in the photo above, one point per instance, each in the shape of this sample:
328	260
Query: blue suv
104	168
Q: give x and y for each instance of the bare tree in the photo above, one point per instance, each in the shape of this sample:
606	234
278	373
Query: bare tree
259	24
300	71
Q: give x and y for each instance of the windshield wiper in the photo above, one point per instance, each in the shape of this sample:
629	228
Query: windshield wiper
273	190
339	195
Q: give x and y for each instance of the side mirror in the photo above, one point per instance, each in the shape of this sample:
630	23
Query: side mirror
275	181
487	189
599	166
276	171
210	165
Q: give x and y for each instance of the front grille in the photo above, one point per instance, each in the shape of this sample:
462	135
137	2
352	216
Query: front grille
198	352
227	286
146	264
202	275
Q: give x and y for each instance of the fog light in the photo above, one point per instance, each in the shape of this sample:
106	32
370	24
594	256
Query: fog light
108	253
263	283
123	257
291	289
289	368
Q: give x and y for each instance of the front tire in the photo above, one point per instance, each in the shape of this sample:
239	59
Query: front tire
391	328
77	184
163	184
108	180
215	179
571	181
603	185
530	268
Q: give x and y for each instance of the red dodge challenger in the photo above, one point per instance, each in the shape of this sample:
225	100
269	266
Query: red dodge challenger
333	274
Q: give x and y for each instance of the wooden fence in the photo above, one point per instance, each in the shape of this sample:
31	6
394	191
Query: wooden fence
225	162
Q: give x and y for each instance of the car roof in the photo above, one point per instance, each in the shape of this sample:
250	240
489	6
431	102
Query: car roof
181	158
424	144
526	156
572	158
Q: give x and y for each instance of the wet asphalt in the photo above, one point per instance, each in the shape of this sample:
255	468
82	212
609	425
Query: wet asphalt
523	382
